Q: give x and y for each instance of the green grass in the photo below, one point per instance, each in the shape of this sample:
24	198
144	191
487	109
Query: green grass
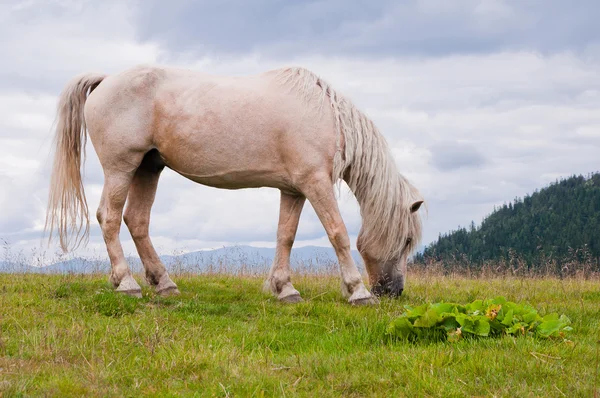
72	336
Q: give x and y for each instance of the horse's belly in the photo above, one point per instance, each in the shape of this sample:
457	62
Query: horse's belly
233	166
235	179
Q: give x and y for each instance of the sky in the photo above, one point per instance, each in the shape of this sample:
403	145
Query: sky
481	101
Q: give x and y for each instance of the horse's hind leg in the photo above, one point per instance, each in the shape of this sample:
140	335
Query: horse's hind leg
110	213
137	217
279	276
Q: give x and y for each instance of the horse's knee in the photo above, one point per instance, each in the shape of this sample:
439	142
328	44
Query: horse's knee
109	224
137	225
339	239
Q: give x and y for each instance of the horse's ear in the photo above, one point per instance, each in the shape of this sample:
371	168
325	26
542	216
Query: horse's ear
415	206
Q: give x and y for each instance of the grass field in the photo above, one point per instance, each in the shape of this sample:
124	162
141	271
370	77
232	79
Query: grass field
72	336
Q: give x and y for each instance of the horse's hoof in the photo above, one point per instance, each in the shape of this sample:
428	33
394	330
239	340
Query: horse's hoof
169	292
361	296
289	295
130	287
372	300
166	287
291	299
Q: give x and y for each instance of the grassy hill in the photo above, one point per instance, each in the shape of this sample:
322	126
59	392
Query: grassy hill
559	224
71	335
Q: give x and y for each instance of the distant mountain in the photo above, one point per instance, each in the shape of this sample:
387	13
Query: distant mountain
246	259
560	222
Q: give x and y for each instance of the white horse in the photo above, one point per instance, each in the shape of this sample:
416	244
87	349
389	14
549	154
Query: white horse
286	129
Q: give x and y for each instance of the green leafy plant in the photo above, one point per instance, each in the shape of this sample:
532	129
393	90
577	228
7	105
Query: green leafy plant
485	318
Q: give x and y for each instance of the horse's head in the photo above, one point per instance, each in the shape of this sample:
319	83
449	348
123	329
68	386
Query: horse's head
388	275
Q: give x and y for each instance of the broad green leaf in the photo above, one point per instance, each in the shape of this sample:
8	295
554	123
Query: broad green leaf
482	327
449	323
441	308
475	307
553	325
550	317
429	319
417	312
478	325
531	317
463	319
400	327
508	318
548	328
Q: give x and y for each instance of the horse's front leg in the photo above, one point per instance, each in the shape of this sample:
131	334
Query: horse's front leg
321	196
278	281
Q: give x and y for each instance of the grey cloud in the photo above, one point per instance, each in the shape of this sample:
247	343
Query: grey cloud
48	42
389	28
450	156
237	26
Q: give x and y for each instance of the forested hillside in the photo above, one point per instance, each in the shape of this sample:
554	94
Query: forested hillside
560	222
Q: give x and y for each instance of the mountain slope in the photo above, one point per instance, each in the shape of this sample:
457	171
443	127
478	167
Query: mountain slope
551	223
233	259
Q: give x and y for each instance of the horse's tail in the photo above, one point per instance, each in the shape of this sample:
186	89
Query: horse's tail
67	206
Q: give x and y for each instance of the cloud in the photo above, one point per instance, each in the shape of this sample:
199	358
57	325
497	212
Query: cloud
48	42
480	101
449	156
367	28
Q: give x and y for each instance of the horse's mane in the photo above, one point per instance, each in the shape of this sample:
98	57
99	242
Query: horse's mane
367	166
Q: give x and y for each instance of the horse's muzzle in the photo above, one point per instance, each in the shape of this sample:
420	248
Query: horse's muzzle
392	288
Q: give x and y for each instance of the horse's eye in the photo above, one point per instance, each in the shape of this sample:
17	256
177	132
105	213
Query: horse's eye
408	240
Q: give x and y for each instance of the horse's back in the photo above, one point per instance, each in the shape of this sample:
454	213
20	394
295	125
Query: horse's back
239	131
220	130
